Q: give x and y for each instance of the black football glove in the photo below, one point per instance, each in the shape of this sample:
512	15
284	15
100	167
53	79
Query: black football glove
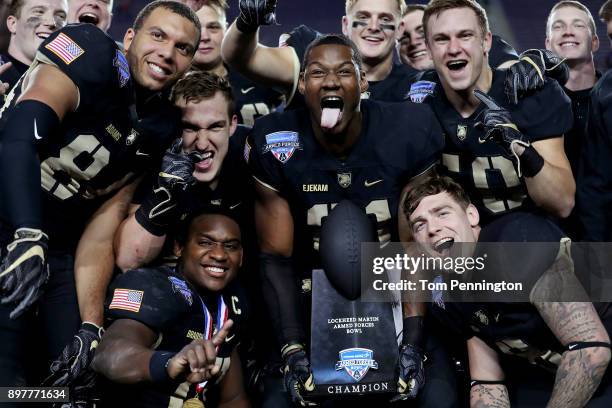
255	13
158	209
528	74
73	363
24	270
411	372
177	167
297	375
83	393
499	127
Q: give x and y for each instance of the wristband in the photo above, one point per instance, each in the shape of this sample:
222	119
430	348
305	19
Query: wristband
531	162
158	366
413	331
245	28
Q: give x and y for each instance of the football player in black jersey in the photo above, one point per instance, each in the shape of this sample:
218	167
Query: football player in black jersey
571	33
208	121
514	158
171	338
251	100
305	161
413	51
373	25
549	331
29	23
79	125
594	194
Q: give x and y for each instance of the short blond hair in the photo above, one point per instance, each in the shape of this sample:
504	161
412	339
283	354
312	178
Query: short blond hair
575	4
348	5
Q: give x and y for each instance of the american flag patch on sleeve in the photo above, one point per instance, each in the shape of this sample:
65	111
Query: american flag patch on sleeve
127	299
65	48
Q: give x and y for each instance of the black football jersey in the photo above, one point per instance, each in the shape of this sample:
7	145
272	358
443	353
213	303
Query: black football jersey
108	139
233	195
573	142
168	304
398	141
594	183
252	100
12	75
396	86
485	172
510	328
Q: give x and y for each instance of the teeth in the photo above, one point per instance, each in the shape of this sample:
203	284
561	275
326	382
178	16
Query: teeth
441	244
156	68
372	39
418	54
206	155
215	269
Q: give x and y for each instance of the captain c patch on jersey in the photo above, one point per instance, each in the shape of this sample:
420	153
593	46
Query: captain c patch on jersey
282	145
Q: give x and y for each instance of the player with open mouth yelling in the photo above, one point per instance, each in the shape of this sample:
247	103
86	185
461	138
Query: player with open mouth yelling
305	161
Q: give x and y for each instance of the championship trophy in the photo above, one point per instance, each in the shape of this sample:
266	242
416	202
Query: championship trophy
353	344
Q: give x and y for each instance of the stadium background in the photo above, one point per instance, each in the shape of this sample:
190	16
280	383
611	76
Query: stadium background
520	22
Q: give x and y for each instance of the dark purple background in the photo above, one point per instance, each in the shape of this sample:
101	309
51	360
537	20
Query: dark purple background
526	18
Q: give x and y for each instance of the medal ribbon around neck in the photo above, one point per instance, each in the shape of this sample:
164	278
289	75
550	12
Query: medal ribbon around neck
222	317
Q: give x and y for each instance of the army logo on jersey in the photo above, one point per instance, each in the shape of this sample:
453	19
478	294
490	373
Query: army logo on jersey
357	362
122	68
131	137
282	145
344	179
462	132
420	90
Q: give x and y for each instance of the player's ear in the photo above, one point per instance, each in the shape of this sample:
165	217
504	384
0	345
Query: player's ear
547	43
128	38
400	30
302	83
363	82
110	21
595	43
488	41
233	124
178	249
345	29
11	21
473	215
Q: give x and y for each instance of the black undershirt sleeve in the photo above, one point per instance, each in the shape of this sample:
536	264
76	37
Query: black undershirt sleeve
30	123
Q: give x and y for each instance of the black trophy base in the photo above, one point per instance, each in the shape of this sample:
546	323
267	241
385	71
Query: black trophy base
353	344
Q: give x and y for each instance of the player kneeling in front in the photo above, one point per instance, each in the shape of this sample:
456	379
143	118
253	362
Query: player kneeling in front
172	336
441	215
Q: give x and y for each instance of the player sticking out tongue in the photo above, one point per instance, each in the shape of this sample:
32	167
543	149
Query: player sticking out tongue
331	111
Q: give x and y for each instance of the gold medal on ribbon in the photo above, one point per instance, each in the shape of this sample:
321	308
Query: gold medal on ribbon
193	403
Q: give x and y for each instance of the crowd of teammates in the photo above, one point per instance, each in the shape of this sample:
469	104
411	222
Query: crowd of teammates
159	221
